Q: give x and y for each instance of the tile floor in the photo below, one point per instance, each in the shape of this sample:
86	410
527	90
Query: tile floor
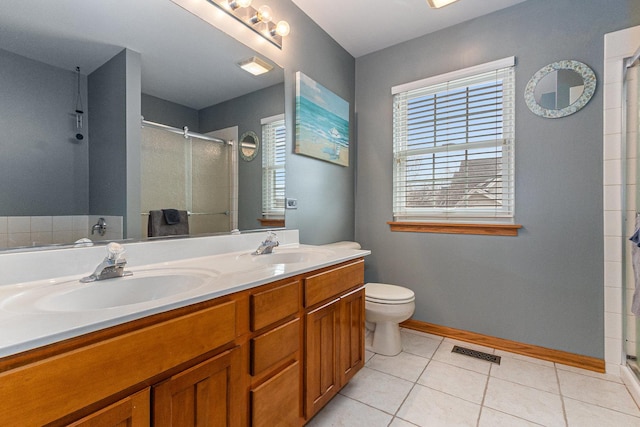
428	385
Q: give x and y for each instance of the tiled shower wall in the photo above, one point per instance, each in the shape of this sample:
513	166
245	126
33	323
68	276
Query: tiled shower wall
618	46
21	231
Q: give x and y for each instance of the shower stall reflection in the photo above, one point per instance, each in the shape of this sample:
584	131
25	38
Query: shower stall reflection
188	171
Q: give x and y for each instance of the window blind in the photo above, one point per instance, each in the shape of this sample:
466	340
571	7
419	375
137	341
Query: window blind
273	162
453	149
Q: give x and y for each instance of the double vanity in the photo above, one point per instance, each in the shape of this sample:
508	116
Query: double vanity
202	333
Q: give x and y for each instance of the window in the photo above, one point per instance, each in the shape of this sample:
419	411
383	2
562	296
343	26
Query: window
273	174
453	138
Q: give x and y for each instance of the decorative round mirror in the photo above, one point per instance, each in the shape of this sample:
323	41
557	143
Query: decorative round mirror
249	146
560	89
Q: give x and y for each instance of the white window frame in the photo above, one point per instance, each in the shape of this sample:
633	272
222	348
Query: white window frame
503	212
273	166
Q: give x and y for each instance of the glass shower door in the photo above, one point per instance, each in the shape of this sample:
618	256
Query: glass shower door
210	187
187	174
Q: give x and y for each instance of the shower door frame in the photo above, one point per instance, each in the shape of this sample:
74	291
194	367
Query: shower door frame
629	147
618	46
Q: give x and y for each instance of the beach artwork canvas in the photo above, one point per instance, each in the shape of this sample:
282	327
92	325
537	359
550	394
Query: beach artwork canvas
322	122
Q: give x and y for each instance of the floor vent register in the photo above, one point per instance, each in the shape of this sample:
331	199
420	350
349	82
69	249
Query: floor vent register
477	354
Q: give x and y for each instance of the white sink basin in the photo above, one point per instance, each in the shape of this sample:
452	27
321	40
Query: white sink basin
142	287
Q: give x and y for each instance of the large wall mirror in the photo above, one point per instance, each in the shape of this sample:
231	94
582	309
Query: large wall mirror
53	185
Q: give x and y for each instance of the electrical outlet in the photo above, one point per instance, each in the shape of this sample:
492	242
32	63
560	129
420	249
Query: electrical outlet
291	203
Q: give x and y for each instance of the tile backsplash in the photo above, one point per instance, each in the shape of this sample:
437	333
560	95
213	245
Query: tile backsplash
26	231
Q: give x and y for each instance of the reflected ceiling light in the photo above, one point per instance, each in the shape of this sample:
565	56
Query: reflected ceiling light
436	4
259	20
255	66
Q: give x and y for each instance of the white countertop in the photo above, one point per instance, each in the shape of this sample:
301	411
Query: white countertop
24	326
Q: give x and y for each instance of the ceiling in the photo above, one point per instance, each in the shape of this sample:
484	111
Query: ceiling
183	58
365	26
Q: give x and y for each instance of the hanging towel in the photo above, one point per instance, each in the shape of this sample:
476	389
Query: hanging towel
159	226
171	216
635	260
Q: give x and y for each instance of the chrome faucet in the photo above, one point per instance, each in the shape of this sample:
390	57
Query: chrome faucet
267	246
100	226
110	267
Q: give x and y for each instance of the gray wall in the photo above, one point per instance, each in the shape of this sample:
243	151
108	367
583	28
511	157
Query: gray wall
246	112
43	168
114	153
325	191
169	113
544	287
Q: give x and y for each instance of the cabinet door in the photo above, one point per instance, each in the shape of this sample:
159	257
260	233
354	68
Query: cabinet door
206	395
321	344
276	402
351	334
132	411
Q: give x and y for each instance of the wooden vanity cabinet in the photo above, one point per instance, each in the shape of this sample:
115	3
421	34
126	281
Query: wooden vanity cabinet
334	341
268	356
61	383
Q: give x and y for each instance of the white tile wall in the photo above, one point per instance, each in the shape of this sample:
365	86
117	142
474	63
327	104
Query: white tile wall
618	45
20	231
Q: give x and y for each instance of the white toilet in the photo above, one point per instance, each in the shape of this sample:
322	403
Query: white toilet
385	307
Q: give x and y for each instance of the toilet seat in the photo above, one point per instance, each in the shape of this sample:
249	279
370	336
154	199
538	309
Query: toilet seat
382	293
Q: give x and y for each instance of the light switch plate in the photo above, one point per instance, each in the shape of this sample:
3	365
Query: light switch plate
291	203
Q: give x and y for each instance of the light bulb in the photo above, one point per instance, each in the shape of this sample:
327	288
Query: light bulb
235	4
282	28
265	14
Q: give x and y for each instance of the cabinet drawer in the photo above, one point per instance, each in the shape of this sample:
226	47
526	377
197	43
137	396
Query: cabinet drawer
274	304
331	283
272	347
105	368
277	401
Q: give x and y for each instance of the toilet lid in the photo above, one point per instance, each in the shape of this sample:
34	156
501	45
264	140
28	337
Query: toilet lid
383	293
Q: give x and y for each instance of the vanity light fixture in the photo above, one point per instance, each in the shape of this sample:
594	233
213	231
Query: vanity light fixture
255	66
437	4
259	19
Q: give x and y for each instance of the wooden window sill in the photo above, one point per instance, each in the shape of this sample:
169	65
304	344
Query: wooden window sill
454	228
271	222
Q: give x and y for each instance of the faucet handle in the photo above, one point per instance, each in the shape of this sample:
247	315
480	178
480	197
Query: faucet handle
115	250
271	237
